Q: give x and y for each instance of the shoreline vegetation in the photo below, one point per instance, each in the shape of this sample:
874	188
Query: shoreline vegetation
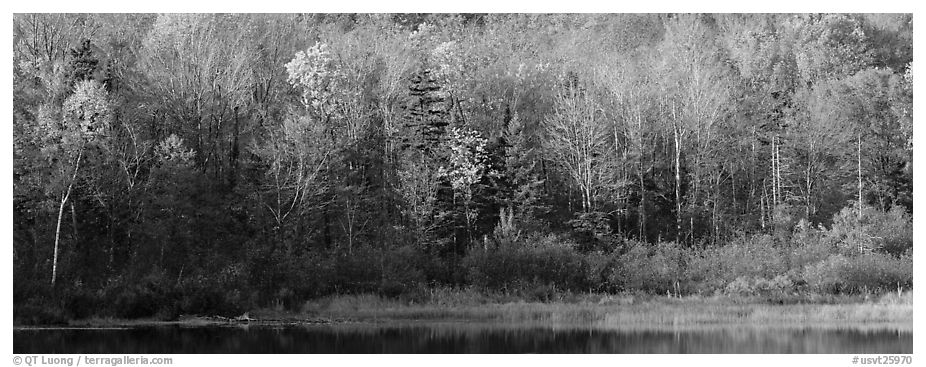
588	311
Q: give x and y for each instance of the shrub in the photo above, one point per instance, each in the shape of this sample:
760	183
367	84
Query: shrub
880	273
402	272
650	268
756	256
890	232
826	276
702	273
202	295
525	266
758	286
590	228
135	298
38	311
809	246
358	272
80	302
600	271
872	272
740	286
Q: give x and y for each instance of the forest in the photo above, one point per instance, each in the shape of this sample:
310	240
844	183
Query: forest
173	164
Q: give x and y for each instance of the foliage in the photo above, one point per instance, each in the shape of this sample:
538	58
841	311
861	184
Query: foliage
744	286
87	113
657	269
214	163
313	73
864	273
890	231
524	267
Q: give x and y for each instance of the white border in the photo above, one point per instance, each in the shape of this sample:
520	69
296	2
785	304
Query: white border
470	6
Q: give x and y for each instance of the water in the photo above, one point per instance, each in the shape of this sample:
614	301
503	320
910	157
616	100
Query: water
460	338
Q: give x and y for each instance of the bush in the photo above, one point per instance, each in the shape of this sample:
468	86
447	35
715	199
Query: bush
809	246
754	257
80	302
872	272
655	269
359	272
758	286
890	232
136	298
591	229
403	272
201	295
526	266
288	281
600	271
38	311
702	273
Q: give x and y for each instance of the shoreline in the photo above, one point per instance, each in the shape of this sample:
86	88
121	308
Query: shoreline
653	313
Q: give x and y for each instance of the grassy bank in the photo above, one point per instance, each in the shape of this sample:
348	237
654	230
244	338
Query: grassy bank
618	310
583	310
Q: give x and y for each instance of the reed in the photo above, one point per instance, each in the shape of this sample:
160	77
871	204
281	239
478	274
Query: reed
615	311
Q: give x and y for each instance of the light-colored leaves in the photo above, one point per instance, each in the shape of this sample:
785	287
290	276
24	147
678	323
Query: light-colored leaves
312	72
88	111
173	151
467	159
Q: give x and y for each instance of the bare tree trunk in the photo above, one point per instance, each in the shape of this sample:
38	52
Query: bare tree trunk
774	174
64	200
678	187
73	220
233	175
752	174
642	201
54	266
860	176
778	170
715	223
808	182
350	227
762	205
733	190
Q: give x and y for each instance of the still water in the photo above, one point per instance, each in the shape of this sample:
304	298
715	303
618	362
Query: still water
460	338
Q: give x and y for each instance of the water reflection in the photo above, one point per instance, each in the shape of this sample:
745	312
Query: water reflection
462	338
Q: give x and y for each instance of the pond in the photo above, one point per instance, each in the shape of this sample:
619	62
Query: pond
461	337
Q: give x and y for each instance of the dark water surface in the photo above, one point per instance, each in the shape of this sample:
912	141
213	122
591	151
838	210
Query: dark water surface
460	338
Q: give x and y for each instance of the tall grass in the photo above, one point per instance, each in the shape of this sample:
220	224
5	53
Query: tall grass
611	311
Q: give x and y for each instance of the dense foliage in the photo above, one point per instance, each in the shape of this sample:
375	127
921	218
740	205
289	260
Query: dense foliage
214	163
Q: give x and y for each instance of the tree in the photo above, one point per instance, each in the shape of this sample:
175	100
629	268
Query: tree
520	172
577	138
819	139
86	119
418	183
423	150
200	72
696	101
628	84
879	135
902	104
830	46
427	114
466	167
295	155
171	185
760	49
82	64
